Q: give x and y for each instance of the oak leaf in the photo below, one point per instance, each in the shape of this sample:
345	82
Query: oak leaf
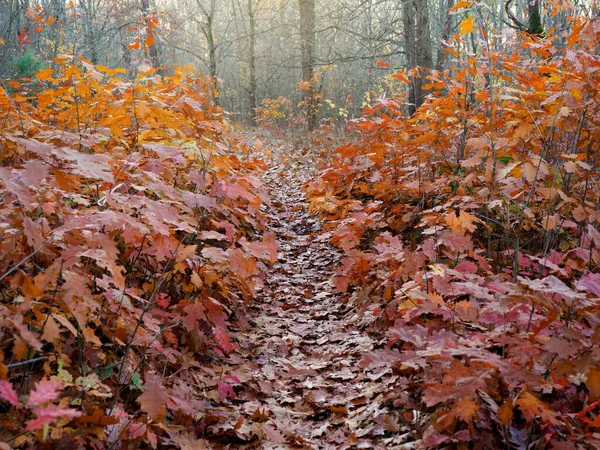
50	414
45	391
153	400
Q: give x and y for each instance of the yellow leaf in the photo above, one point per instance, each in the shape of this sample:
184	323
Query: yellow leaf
460	5
467	26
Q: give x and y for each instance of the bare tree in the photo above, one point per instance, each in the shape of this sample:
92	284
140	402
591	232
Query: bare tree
307	45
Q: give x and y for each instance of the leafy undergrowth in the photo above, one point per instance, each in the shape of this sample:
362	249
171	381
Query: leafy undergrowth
130	239
472	242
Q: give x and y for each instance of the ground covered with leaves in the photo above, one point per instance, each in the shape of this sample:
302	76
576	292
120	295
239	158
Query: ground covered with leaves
430	281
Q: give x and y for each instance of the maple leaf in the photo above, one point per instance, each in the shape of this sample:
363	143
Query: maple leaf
532	407
467	25
45	391
223	340
465	409
461	223
8	393
589	282
265	249
215	254
225	390
505	412
153	400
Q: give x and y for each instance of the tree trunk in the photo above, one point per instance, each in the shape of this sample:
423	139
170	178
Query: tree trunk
442	54
307	44
417	39
212	57
252	63
89	29
207	28
534	22
153	49
535	18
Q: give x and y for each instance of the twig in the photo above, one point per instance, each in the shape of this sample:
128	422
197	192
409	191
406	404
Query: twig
27	258
24	363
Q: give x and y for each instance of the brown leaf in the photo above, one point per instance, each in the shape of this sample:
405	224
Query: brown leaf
154	399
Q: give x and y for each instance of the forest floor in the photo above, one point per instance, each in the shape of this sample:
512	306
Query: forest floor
299	381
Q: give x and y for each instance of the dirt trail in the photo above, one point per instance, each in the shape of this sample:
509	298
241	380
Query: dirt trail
304	387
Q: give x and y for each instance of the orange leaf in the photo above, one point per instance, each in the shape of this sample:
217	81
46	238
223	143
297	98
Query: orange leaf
505	413
399	76
467	25
466	409
532	407
149	40
382	64
135	46
460	5
45	74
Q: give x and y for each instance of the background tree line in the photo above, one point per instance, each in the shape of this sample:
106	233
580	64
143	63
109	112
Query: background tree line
342	50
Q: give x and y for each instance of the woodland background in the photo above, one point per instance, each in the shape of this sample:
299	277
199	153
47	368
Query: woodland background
260	49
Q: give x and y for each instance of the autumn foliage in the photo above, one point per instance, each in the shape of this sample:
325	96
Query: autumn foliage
130	238
471	234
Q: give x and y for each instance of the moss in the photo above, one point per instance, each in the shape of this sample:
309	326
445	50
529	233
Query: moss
535	23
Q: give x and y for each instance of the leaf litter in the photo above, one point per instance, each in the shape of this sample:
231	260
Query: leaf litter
301	383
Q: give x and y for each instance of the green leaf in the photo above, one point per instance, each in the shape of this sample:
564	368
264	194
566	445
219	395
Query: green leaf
136	381
505	159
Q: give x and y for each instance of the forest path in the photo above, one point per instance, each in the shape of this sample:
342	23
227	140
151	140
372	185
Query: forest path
305	387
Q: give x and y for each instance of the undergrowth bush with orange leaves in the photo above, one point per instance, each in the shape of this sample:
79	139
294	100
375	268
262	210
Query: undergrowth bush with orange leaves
130	239
471	233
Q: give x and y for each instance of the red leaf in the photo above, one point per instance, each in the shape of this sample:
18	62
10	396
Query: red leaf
7	392
215	254
267	249
50	414
590	282
225	390
45	391
223	340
